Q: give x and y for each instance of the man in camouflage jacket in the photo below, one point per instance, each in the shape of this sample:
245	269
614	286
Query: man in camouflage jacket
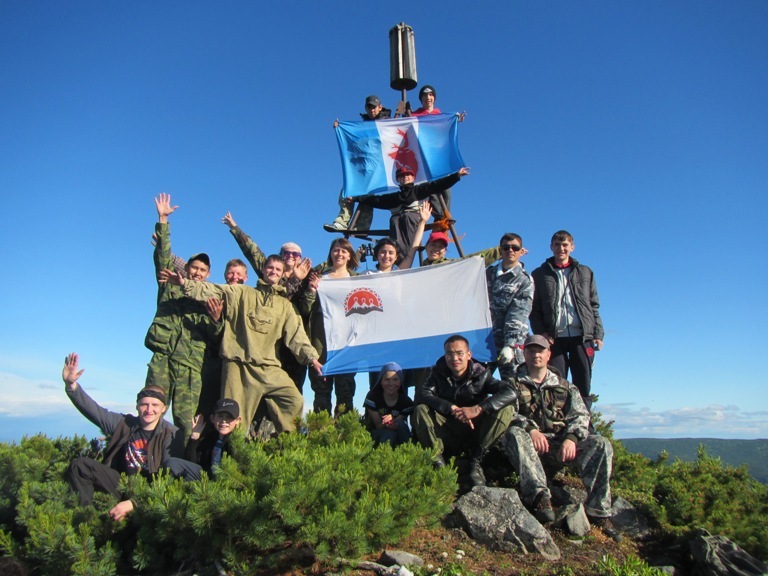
182	336
553	424
510	295
255	320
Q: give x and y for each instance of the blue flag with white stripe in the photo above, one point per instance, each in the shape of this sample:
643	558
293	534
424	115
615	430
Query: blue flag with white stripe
404	316
372	151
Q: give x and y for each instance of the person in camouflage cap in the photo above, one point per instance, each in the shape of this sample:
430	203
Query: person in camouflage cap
553	426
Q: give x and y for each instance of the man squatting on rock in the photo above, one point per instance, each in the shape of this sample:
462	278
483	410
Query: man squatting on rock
552	423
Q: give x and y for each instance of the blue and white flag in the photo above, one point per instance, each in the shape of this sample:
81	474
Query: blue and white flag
405	316
372	151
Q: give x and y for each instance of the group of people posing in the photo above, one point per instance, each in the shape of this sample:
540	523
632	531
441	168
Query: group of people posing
222	352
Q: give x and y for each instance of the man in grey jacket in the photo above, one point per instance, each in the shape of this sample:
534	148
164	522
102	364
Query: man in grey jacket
566	311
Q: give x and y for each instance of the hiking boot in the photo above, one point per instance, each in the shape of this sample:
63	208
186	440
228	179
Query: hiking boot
606	525
476	474
542	509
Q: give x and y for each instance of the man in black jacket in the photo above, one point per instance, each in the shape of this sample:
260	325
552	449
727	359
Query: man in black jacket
404	204
138	444
463	407
566	311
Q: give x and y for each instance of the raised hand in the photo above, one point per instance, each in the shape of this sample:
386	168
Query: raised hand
229	221
164	208
71	372
301	270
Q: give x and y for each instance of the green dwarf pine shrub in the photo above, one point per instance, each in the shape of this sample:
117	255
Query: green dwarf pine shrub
329	491
722	499
41	524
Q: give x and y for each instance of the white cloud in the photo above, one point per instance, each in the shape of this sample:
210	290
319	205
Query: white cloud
25	398
713	421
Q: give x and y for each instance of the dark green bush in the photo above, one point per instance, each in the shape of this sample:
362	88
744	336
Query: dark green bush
722	499
327	493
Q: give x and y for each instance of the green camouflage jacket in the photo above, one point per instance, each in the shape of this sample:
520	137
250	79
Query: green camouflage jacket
181	328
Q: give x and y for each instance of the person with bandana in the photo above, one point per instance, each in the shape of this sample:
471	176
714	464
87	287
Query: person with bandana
138	444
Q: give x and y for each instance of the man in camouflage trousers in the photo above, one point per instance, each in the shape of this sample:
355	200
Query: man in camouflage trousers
182	337
552	424
510	294
255	320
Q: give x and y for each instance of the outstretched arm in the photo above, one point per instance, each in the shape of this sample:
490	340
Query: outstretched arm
248	247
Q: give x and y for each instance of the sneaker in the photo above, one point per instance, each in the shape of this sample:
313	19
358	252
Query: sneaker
335	227
542	509
438	461
476	474
606	525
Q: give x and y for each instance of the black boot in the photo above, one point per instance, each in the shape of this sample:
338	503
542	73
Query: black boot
476	474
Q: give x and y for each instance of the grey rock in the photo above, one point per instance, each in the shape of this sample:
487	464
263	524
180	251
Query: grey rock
496	518
628	520
573	518
562	494
401	558
718	556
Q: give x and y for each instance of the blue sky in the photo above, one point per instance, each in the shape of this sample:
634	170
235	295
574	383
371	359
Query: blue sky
641	127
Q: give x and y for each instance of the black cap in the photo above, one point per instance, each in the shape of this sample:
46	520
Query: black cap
372	101
203	257
227	405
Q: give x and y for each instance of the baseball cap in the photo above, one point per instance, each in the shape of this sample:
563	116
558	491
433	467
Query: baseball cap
438	237
372	100
537	340
203	257
402	171
227	405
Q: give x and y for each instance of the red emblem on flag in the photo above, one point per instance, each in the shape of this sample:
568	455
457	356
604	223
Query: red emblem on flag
362	301
403	156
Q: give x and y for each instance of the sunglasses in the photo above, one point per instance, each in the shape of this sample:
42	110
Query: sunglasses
290	254
513	247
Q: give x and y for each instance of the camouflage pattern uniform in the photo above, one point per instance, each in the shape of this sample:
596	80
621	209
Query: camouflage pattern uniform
183	340
510	295
556	409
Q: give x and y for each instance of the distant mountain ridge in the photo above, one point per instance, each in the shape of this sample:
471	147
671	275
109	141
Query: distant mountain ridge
753	453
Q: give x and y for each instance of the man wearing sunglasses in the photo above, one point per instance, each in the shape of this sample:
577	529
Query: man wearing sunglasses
510	295
566	311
